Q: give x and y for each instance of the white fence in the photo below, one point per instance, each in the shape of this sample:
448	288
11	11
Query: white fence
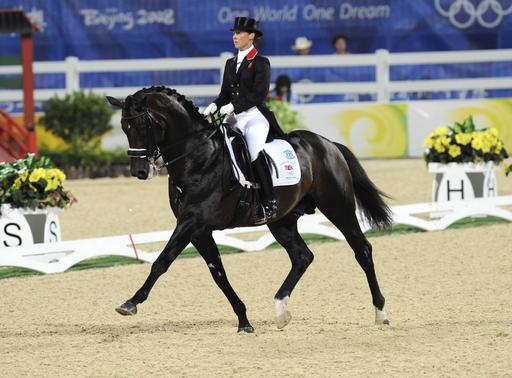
382	61
60	256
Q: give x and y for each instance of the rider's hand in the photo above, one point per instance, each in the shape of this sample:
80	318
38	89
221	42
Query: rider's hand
227	109
212	108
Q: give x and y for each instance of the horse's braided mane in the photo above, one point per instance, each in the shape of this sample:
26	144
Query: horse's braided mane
189	106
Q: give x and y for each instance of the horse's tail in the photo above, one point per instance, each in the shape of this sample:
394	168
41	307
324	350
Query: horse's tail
368	196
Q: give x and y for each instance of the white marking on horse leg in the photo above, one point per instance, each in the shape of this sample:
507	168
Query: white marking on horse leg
151	172
211	266
381	317
283	316
281	305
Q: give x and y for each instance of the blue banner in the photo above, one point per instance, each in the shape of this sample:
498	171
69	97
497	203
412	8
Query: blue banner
120	29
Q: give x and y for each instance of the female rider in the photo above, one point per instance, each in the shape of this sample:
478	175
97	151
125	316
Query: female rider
245	85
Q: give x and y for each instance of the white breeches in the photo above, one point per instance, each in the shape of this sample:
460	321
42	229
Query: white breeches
254	126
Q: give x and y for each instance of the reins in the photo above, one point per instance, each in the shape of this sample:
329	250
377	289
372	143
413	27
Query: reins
167	163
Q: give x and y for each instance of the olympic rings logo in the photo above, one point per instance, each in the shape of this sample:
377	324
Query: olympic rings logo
463	13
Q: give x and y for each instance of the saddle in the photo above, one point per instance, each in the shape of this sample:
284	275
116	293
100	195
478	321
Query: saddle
242	159
248	212
250	202
279	154
281	160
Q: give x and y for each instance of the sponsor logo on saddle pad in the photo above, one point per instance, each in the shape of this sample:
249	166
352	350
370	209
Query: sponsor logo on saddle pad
289	154
288	170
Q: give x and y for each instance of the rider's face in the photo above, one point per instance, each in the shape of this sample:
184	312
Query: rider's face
243	40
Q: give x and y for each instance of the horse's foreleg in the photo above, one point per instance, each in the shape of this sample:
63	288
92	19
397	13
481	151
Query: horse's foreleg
178	241
208	250
286	234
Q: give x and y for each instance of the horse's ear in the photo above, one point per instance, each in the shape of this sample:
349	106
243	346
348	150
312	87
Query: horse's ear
114	101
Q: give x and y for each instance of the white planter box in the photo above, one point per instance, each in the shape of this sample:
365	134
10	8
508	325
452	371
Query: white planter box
463	181
19	227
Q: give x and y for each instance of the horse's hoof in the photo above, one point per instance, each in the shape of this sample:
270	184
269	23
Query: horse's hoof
283	319
246	329
381	318
127	308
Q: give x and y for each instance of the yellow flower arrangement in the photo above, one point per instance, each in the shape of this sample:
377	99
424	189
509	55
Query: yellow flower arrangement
33	183
22	177
37	174
55	178
454	151
463	139
462	143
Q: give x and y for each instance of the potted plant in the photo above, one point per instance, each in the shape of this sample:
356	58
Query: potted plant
80	120
463	161
31	194
287	118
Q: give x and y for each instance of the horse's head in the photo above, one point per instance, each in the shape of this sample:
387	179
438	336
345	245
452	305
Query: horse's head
142	124
158	121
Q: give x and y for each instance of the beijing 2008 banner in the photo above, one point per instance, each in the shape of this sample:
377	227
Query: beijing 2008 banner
119	29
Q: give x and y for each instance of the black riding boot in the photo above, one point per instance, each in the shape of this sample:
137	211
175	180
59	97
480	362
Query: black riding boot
268	200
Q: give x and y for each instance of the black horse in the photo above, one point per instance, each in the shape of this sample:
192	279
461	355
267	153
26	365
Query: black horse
164	128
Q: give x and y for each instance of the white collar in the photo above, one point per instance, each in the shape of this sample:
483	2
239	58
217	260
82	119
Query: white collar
243	54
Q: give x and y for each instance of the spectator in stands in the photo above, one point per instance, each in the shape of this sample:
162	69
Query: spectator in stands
283	90
245	85
340	45
302	46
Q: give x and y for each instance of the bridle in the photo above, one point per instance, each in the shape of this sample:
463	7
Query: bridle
152	148
152	152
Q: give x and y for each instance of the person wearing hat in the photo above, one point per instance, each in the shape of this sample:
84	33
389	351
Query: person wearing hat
302	46
245	85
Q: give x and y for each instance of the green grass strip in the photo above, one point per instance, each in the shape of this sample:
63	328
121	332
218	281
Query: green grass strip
109	261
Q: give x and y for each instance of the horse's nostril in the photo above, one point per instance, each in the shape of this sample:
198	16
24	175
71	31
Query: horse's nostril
142	174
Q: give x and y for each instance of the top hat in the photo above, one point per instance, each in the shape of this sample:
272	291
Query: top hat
301	43
248	25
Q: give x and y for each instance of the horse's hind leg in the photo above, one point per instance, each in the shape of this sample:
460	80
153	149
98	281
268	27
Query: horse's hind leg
345	220
207	248
286	233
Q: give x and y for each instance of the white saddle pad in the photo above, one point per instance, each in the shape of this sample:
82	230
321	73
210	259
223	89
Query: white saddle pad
288	169
285	159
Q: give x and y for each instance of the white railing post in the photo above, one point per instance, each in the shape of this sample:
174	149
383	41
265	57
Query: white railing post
72	74
382	75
